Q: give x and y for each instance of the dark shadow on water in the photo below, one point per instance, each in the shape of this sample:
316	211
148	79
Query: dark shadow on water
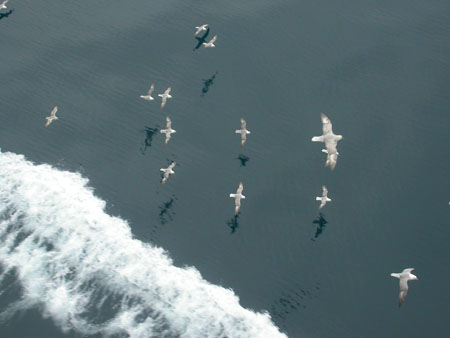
164	211
233	223
291	301
149	133
321	221
5	15
201	39
244	159
208	83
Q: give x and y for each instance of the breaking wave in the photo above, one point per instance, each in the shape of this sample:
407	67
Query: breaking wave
84	270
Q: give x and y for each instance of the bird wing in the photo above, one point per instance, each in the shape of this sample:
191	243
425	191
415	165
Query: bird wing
243	123
324	191
171	166
4	3
214	38
240	188
167	91
53	113
152	88
403	291
408	270
168	123
326	124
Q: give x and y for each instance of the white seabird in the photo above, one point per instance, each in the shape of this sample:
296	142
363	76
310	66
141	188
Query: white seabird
167	171
237	198
3	4
243	131
148	96
165	96
404	277
330	140
324	199
200	29
210	43
168	131
52	116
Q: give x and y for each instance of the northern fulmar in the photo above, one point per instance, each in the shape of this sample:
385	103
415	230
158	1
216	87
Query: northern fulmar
330	140
324	199
148	96
168	131
52	116
237	198
210	43
167	171
166	95
243	131
404	277
200	29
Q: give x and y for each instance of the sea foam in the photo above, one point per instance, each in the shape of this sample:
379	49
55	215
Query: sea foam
84	270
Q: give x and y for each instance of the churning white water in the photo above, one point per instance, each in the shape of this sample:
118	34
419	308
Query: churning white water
82	267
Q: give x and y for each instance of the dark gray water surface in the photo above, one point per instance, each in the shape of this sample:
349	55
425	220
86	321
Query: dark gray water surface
379	69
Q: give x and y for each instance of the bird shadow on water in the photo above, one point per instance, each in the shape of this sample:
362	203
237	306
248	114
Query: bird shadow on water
149	133
291	301
165	215
208	83
321	223
233	223
201	39
5	15
244	159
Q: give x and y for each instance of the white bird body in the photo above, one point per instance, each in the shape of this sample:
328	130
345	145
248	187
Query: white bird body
324	198
404	277
166	95
148	96
167	171
210	43
330	140
168	131
243	131
52	116
237	198
3	4
200	29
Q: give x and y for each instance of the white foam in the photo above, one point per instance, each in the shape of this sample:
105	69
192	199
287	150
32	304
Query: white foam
87	273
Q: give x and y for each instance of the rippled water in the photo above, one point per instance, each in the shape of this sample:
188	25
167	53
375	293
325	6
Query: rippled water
379	70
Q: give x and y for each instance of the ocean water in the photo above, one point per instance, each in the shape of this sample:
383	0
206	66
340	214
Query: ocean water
91	244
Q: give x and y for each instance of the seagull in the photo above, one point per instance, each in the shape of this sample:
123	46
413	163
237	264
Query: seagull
237	198
3	4
243	131
168	131
200	28
330	140
165	96
51	117
324	199
148	96
167	172
210	43
404	277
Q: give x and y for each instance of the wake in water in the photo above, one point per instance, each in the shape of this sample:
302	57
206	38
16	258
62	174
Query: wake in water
82	267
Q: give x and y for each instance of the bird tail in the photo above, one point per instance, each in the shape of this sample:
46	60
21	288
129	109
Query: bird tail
236	210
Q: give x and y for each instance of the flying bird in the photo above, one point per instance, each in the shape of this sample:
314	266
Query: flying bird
3	4
52	116
167	171
324	199
165	96
243	131
168	131
200	29
148	96
330	140
237	198
404	277
210	43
